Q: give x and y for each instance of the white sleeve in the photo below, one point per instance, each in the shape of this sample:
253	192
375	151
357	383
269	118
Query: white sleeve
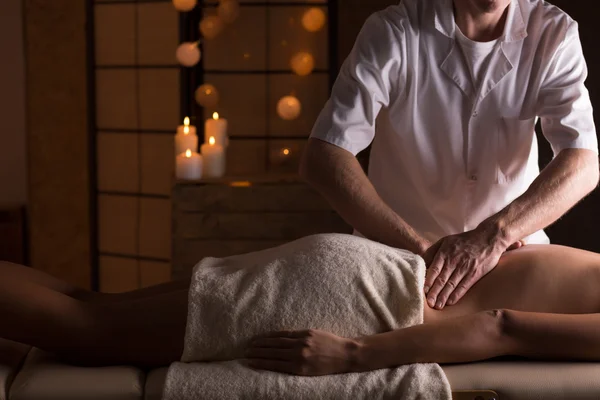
565	106
365	83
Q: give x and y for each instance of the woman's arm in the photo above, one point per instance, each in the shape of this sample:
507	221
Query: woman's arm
469	338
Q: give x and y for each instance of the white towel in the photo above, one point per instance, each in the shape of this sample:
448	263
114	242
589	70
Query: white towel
343	284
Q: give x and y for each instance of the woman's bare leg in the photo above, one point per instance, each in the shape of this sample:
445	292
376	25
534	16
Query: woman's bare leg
15	271
156	290
147	332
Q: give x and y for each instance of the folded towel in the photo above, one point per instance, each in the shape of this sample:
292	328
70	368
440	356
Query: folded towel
232	381
343	284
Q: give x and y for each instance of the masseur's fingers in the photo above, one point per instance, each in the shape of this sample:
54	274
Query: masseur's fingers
450	287
271	354
435	268
285	367
431	253
463	287
516	246
433	298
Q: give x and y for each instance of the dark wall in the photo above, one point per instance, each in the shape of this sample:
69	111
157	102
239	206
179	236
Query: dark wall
578	227
13	172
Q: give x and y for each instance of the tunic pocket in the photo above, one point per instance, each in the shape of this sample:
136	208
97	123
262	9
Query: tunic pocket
514	144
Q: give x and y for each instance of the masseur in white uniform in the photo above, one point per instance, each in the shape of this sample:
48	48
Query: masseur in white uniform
448	93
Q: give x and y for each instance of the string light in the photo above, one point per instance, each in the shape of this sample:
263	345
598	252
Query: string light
207	96
184	5
211	26
289	108
314	19
188	54
303	63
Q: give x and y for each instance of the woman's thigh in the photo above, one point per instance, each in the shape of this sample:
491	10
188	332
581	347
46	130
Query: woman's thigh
151	291
20	272
148	331
41	278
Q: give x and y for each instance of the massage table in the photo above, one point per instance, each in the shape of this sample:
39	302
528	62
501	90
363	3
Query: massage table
31	374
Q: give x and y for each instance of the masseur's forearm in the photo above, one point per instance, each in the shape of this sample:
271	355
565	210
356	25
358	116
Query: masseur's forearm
338	176
563	183
463	339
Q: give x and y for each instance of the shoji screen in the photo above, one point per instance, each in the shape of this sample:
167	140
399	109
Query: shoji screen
249	64
137	98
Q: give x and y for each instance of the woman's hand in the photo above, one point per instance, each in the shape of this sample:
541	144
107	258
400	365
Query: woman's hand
308	353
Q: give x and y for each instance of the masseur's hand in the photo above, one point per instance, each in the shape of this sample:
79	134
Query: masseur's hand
308	353
455	263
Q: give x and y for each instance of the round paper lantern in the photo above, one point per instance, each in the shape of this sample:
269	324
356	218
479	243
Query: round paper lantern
184	5
229	10
211	26
289	108
188	54
207	96
314	19
303	63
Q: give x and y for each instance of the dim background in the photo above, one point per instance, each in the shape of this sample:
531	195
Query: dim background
45	117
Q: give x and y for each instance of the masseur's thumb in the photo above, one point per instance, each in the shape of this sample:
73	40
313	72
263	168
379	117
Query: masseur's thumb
516	246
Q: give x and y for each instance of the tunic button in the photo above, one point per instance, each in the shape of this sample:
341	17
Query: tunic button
475	114
473	177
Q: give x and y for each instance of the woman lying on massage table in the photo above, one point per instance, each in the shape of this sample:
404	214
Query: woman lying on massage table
540	302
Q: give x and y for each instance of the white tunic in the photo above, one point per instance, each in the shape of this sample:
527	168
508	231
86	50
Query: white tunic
446	155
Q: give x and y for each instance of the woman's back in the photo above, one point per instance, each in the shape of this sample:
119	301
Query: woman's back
537	278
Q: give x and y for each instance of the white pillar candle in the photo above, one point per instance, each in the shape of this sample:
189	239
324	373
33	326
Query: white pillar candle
186	137
216	127
213	156
189	165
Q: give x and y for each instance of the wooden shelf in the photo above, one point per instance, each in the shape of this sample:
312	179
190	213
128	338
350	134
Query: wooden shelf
244	181
235	215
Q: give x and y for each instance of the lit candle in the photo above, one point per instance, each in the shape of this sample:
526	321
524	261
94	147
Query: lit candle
214	159
282	156
189	165
216	127
186	137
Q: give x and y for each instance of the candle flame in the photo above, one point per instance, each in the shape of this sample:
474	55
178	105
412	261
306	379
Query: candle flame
186	130
186	121
188	153
241	184
286	152
216	115
211	140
